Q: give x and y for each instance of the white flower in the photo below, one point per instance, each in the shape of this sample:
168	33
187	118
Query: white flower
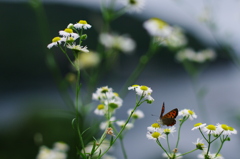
199	144
87	60
225	129
176	38
169	130
198	125
143	91
60	146
157	134
157	28
211	156
68	32
82	24
103	125
133	87
100	110
78	48
137	114
188	113
210	129
121	43
171	155
134	5
102	147
122	122
56	41
198	57
153	127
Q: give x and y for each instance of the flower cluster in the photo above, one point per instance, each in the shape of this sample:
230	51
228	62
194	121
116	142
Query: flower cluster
197	57
69	36
57	152
143	91
109	100
117	42
133	5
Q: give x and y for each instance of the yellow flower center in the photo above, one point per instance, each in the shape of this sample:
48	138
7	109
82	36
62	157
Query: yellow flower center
156	134
68	30
211	127
100	106
56	39
82	22
230	128
190	112
155	125
198	124
167	130
225	127
116	94
135	85
144	88
161	24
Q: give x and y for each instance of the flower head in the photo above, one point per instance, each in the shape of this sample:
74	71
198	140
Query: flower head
138	114
225	129
210	129
134	5
68	33
156	134
198	126
87	60
122	122
82	24
188	113
114	41
199	144
143	91
100	110
77	48
169	130
56	41
157	28
153	127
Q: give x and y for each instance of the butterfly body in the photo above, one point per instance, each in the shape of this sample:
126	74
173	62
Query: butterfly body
169	118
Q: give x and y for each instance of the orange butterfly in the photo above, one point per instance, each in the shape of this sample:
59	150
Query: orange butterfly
169	118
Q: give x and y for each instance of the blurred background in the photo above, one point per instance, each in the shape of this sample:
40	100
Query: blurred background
32	111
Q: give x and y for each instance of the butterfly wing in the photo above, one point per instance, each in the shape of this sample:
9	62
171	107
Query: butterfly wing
162	110
169	118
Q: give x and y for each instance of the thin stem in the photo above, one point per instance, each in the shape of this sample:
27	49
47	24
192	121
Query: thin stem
222	142
120	133
179	130
158	142
168	144
187	152
123	148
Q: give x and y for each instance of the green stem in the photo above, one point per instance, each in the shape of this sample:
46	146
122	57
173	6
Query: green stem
222	142
120	133
123	148
179	130
168	144
187	152
158	142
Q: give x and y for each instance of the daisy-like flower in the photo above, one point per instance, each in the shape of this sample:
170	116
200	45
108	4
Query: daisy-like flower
157	28
153	127
225	129
82	24
100	110
104	124
188	113
102	147
138	114
171	155
199	144
157	134
102	93
87	60
198	57
122	122
210	129
114	41
176	39
145	92
232	130
68	32
77	48
133	87
114	103
134	5
169	130
56	41
198	126
60	146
